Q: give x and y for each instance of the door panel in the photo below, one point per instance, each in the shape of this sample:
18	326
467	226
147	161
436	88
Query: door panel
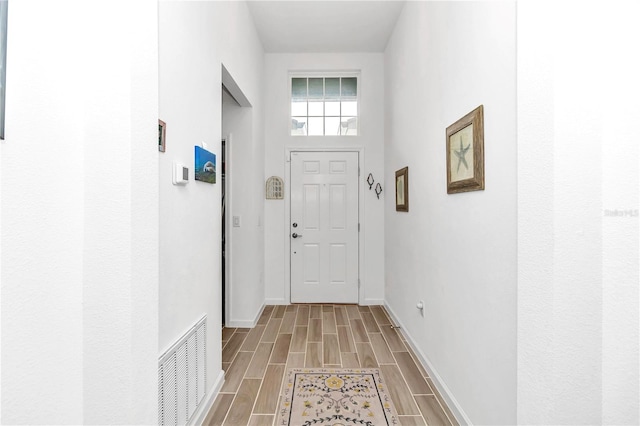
324	227
338	263
311	206
311	265
337	208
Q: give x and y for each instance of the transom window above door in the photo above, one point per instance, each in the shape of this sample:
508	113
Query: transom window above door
324	106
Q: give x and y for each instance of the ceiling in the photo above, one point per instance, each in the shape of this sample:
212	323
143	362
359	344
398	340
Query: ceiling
324	26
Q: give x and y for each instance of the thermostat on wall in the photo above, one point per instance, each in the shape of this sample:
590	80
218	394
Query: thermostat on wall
180	174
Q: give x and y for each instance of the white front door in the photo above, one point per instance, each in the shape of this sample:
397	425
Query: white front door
324	227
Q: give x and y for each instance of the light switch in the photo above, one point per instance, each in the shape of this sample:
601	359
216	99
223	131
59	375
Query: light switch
236	221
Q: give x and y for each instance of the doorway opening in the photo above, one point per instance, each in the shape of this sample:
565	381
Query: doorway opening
226	196
232	100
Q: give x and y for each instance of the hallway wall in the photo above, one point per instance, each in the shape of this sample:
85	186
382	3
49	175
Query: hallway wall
79	214
195	39
370	137
455	252
578	211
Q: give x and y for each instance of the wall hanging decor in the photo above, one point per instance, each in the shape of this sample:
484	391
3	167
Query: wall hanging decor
205	165
402	190
274	188
162	135
370	181
378	190
465	153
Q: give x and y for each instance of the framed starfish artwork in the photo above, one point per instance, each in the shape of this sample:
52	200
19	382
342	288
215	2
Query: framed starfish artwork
465	153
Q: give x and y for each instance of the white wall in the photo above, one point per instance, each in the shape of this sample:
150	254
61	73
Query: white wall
196	38
455	252
370	137
79	230
578	300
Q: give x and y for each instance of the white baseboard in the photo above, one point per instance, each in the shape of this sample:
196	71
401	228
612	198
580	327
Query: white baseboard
276	302
366	302
446	394
246	323
200	415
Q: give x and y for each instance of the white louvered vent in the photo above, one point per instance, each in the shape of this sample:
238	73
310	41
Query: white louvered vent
182	376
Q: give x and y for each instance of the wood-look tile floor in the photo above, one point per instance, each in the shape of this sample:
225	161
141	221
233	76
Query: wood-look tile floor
291	336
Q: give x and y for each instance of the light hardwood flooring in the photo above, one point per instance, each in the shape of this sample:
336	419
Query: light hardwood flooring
255	361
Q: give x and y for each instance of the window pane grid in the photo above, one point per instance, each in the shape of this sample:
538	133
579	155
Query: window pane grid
324	106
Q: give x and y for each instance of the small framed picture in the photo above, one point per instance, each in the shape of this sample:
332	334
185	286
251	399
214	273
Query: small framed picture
3	62
205	165
402	190
162	136
465	153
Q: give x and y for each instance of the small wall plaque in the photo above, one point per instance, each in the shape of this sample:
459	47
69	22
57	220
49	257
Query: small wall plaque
275	188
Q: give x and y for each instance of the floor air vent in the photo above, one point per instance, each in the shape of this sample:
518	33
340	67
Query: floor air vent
182	376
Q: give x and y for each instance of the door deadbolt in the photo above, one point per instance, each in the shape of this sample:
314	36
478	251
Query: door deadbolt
295	225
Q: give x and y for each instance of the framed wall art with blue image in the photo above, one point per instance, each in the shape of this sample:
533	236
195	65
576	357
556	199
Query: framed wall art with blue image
205	165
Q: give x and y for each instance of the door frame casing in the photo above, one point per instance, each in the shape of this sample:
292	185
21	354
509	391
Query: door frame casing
228	224
287	215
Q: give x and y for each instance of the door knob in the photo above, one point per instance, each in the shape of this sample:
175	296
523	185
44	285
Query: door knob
294	235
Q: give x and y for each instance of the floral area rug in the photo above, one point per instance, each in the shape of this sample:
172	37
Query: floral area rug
335	397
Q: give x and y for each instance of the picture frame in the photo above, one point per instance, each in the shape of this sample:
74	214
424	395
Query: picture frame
465	153
3	62
162	136
402	190
205	165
